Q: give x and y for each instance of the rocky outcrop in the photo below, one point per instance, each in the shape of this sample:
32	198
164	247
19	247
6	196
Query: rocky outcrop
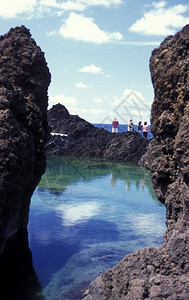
161	273
24	80
86	140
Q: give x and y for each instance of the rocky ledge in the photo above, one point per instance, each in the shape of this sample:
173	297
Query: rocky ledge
163	272
24	80
80	138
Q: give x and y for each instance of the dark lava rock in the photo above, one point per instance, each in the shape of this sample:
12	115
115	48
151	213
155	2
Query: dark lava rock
163	272
58	113
24	80
85	140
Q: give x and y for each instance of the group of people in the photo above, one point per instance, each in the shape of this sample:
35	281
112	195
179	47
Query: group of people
140	128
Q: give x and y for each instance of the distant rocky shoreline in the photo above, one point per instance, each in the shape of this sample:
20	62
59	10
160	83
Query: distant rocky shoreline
82	139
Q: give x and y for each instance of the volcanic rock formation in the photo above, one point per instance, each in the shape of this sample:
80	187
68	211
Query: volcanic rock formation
86	140
161	273
24	80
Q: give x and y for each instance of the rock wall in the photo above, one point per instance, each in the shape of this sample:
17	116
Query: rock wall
24	80
162	273
86	140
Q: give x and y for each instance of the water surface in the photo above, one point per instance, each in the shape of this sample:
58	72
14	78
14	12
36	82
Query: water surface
85	216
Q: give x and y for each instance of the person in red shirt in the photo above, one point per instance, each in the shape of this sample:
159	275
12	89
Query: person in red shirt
115	124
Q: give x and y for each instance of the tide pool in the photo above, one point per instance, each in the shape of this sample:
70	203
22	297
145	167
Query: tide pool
85	216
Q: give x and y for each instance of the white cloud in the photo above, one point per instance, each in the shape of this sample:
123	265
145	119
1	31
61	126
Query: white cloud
79	5
106	3
107	75
84	29
97	100
91	69
10	8
82	85
95	111
31	8
160	20
78	111
64	100
64	5
160	4
131	105
127	92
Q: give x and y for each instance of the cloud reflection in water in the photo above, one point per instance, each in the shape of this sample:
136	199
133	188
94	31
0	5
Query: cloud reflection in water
75	214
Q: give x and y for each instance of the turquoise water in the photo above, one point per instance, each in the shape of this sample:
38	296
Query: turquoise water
85	216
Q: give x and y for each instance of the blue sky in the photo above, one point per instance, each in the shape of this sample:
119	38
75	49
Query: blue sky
98	51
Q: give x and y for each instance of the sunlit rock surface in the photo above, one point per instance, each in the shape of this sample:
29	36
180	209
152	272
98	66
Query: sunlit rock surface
24	80
161	273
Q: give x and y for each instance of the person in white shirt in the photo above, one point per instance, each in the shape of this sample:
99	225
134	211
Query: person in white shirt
130	125
145	130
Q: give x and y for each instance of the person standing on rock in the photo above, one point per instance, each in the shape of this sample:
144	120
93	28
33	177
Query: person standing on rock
130	125
115	124
139	127
145	130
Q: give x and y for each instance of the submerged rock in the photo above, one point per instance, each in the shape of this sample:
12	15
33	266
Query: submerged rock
24	80
161	273
85	140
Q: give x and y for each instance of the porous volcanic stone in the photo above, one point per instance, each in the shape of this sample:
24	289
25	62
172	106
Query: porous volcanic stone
24	80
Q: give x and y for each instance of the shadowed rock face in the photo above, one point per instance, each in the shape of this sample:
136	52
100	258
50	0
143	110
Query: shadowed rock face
162	273
24	80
